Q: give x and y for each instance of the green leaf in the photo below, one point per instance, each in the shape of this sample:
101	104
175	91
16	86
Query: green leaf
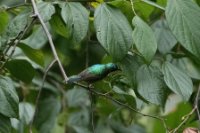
105	108
175	118
113	31
143	9
153	4
151	85
8	97
177	80
129	67
26	112
4	17
165	39
21	69
80	129
34	54
162	2
37	39
80	118
46	10
188	66
45	118
125	7
5	124
183	18
120	128
17	25
77	97
144	39
58	25
76	18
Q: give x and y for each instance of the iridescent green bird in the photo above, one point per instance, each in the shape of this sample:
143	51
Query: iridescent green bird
94	73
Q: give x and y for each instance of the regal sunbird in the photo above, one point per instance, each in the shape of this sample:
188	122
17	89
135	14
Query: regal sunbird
94	73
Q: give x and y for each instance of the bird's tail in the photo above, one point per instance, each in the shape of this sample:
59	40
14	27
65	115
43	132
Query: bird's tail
73	79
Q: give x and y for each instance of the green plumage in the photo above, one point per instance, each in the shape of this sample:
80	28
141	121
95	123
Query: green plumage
94	73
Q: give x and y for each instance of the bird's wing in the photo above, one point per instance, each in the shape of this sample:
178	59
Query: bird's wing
89	77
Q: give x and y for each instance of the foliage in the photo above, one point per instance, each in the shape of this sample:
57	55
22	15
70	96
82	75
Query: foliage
155	43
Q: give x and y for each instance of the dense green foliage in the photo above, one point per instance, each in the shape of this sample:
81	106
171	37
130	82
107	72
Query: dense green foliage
155	43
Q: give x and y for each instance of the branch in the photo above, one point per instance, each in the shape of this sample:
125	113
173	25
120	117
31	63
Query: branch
36	14
15	42
91	89
39	94
184	120
195	108
196	103
133	8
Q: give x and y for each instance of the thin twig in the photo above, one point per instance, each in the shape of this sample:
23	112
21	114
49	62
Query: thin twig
15	42
92	113
122	104
39	93
18	40
186	117
36	14
87	55
196	104
184	121
133	7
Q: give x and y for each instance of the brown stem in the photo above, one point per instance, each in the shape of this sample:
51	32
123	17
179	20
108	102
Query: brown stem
36	14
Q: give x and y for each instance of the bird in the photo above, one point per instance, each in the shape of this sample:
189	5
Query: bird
94	73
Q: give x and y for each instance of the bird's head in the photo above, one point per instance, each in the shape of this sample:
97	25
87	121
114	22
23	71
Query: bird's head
112	67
